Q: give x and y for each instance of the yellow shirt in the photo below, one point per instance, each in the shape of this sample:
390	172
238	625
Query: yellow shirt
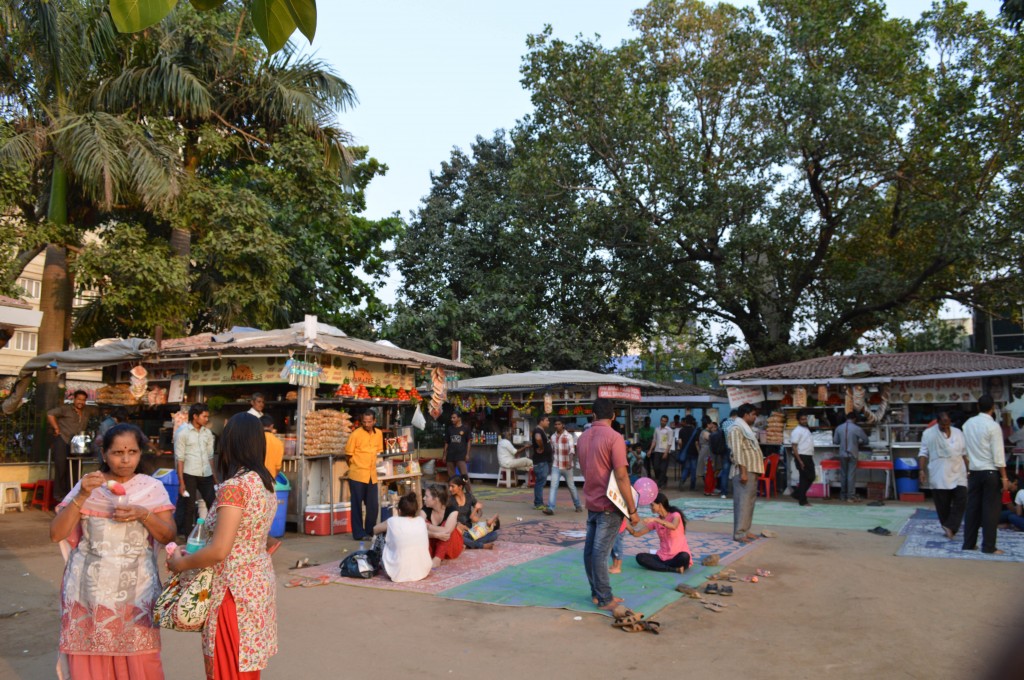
275	454
362	448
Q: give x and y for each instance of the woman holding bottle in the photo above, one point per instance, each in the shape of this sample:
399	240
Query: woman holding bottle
241	634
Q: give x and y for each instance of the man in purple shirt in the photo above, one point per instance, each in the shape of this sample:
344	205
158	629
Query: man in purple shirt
602	453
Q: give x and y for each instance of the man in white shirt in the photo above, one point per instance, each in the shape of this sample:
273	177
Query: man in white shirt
802	442
943	463
661	449
986	479
257	403
507	453
193	453
1017	438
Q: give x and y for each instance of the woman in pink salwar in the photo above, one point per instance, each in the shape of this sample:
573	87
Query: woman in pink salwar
111	580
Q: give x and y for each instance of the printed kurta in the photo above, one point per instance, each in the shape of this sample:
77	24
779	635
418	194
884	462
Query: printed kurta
247	572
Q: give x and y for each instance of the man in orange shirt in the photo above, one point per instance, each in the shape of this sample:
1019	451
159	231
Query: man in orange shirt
275	447
363	447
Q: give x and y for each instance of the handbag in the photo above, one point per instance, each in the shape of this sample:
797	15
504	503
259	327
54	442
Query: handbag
184	604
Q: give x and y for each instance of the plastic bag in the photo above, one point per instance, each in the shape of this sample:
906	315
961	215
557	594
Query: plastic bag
418	421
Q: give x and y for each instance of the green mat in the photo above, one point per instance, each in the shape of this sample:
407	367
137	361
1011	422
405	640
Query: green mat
820	515
559	581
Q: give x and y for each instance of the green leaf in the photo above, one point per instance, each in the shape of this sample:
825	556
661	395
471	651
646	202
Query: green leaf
135	15
273	21
204	5
304	14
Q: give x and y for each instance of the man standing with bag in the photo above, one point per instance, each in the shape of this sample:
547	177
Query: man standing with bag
602	455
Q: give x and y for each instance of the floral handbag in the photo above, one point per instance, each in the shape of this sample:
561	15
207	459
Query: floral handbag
184	604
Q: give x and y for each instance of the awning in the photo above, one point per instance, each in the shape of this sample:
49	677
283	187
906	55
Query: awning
91	358
543	380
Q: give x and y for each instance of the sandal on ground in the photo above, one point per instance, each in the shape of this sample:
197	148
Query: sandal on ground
762	572
768	533
880	531
725	591
714	607
711	589
685	589
710	561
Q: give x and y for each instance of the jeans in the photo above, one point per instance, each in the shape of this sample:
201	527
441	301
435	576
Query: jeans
655	563
723	477
196	487
689	471
363	493
476	544
541	471
983	507
618	548
806	479
743	496
558	474
848	478
602	528
950	504
1011	517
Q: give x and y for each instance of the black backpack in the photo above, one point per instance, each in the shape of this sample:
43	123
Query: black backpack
718	444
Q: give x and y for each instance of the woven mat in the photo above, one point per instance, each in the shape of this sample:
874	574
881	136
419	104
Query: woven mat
925	538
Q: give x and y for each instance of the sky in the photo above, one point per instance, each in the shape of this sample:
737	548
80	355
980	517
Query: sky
432	76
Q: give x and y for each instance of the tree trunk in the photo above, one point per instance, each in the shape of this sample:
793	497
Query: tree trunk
55	302
181	243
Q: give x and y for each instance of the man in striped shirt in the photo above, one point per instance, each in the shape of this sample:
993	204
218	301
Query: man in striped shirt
564	448
747	466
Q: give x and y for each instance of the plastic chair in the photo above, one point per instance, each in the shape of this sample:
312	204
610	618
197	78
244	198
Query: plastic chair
10	497
507	477
42	495
771	468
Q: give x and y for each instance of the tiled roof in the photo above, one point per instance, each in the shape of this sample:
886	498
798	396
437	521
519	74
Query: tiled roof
687	390
906	365
14	302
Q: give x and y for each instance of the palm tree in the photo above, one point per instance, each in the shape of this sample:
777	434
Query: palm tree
85	160
210	73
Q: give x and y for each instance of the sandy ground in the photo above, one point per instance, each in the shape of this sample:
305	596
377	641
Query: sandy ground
839	605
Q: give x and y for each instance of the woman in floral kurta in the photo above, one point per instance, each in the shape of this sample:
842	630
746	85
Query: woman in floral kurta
241	634
111	581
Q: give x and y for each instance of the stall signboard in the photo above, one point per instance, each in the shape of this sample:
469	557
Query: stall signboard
947	391
744	395
618	393
336	369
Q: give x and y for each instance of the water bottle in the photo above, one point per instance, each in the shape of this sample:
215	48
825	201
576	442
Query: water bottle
197	539
362	546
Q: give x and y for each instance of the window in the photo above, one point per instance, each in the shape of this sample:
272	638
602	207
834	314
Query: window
24	341
32	287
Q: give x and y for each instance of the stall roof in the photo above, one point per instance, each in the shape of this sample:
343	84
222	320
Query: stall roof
91	358
328	340
548	380
18	313
865	368
685	393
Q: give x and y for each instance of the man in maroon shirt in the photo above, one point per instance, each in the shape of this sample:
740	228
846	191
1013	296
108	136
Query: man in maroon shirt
602	453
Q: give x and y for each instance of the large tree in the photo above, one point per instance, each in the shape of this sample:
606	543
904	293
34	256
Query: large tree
800	173
485	263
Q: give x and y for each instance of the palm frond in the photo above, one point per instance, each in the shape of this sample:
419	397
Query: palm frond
23	147
162	84
89	145
156	170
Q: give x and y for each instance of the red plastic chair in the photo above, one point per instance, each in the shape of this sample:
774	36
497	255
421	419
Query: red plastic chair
771	468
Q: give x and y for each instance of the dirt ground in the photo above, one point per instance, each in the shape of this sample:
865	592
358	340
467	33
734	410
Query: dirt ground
840	604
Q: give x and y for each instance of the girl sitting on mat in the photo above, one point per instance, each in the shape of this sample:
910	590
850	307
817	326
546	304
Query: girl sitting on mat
670	523
442	519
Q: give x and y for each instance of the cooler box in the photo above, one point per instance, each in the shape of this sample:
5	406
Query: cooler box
906	472
317	519
281	489
169	478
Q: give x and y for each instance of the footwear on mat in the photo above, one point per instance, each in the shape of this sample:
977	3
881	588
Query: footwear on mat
880	531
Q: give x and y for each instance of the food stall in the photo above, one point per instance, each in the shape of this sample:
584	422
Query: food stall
314	378
518	400
896	396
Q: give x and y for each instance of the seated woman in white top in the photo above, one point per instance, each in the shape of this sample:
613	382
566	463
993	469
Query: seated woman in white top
406	555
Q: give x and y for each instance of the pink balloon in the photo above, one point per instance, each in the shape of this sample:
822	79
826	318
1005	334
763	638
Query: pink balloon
646	489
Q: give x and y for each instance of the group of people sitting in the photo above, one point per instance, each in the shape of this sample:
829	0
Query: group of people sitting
418	539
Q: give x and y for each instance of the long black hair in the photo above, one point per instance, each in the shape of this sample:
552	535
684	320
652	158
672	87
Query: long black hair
116	431
243	445
663	501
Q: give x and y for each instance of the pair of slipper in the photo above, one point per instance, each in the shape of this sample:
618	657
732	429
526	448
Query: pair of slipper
724	575
629	621
714	606
715	589
308	581
880	531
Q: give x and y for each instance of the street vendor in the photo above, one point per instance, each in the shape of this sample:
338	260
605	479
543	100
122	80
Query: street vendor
66	421
363	447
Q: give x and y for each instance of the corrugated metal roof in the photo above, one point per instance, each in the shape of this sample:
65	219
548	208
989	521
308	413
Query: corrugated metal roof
905	365
252	342
548	380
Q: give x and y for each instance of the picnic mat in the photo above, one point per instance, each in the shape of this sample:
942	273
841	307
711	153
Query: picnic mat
925	538
471	565
558	581
787	513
